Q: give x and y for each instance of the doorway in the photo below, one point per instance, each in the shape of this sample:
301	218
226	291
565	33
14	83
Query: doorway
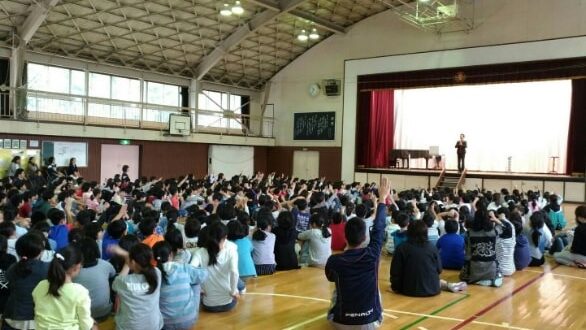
115	156
306	164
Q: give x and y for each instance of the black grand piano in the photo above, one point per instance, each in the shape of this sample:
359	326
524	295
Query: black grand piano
406	154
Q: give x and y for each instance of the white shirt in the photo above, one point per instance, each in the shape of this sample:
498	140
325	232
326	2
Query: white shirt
320	248
369	222
222	281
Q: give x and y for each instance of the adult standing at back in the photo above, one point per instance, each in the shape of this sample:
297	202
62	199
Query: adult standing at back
14	165
72	168
461	146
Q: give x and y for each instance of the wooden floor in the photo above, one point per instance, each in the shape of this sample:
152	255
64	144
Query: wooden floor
549	297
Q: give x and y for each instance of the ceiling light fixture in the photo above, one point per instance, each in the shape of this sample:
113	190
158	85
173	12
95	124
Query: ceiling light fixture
226	10
237	8
314	35
302	36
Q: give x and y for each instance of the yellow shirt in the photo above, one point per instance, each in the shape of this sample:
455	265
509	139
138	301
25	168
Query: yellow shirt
71	311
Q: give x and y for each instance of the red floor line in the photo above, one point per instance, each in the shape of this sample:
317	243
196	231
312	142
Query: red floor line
498	302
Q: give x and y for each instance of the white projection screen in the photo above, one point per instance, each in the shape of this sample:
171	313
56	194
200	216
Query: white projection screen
526	121
231	160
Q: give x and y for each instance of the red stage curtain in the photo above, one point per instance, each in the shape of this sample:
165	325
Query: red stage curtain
576	161
362	127
381	128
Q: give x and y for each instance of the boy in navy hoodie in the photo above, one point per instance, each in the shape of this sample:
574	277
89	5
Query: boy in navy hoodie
355	272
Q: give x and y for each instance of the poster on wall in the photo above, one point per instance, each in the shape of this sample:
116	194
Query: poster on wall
7	143
23	144
15	144
34	143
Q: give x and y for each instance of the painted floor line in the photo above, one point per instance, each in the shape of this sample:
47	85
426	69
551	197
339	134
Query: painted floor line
556	274
506	326
299	325
498	302
429	316
286	296
425	315
453	319
439	310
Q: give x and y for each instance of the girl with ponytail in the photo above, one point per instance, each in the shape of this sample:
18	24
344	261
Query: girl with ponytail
22	278
539	237
263	242
319	238
138	292
60	303
220	257
180	288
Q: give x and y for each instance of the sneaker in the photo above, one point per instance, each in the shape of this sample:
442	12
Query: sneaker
484	283
497	282
457	287
242	292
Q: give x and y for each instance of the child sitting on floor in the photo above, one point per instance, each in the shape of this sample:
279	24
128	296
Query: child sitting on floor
400	236
451	247
576	254
522	255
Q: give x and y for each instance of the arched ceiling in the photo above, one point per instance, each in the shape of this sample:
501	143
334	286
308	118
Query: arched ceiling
187	38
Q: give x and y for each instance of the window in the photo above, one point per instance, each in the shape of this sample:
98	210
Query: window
114	88
214	104
161	94
44	79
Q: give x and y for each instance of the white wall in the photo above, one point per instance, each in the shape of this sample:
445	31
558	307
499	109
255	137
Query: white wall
498	22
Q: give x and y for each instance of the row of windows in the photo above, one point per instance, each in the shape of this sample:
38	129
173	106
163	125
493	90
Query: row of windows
67	81
52	79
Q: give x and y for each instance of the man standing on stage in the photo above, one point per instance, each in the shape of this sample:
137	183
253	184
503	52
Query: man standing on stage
461	145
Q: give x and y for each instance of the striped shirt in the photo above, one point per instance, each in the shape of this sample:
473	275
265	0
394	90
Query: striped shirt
179	301
505	248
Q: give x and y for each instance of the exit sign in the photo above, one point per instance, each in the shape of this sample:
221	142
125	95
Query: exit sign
124	142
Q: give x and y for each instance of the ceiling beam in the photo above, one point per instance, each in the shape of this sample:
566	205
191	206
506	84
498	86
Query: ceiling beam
38	12
318	21
273	10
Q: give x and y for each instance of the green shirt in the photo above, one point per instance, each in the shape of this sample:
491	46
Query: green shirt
71	311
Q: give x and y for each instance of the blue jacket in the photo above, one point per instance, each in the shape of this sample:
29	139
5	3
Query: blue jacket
60	235
106	242
451	250
522	253
355	272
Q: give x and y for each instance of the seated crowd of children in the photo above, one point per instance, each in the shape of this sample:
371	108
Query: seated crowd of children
154	251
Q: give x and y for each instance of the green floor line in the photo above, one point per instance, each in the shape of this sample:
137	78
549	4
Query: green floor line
437	311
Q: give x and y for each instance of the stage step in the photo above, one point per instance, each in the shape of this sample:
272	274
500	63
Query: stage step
449	181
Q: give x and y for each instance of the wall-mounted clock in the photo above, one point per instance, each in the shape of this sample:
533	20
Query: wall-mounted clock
314	89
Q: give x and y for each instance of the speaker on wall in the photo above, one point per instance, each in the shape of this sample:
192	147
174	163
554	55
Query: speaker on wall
332	87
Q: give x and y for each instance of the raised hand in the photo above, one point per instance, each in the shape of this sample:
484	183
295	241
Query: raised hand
385	189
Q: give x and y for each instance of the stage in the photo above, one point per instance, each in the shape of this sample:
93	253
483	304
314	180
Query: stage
572	188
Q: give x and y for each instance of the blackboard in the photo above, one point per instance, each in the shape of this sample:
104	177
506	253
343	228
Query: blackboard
314	126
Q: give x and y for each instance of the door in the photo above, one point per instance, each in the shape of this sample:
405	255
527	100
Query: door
306	164
115	156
